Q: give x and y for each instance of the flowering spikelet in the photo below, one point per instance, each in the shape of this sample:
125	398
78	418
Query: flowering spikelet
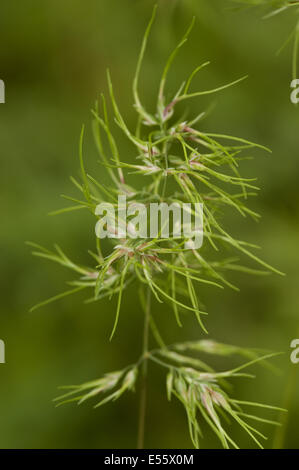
204	167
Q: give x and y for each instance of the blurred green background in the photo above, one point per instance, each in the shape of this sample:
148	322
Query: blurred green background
53	57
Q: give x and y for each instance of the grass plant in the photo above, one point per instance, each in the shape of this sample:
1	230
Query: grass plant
176	160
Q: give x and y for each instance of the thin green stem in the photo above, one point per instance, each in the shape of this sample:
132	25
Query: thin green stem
143	393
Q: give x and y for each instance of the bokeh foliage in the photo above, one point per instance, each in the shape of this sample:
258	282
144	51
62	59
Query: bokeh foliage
53	62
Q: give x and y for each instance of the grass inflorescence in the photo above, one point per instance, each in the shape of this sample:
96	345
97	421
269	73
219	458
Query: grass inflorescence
177	162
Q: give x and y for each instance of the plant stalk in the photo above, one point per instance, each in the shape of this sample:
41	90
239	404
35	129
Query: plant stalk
143	393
